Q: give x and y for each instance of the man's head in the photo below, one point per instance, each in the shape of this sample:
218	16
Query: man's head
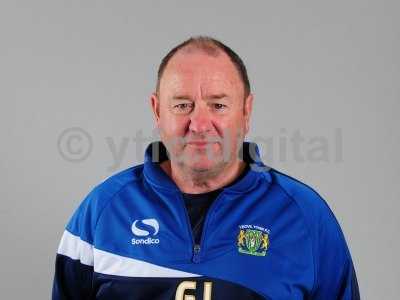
212	47
202	105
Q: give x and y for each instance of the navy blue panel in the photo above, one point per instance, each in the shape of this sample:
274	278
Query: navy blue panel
355	292
349	288
115	287
72	280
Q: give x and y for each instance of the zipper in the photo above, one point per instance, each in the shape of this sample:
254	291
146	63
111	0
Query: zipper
189	226
196	248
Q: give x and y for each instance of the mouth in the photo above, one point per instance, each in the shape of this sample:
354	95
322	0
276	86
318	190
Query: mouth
199	144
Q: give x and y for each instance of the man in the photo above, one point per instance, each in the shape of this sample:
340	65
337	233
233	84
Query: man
203	217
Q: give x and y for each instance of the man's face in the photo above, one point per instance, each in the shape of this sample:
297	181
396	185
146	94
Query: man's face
201	112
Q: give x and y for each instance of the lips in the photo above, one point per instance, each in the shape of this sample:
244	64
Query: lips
202	144
198	143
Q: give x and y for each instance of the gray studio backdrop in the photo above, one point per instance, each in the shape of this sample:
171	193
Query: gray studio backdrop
75	83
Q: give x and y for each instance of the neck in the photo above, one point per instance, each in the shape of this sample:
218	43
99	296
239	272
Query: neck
192	183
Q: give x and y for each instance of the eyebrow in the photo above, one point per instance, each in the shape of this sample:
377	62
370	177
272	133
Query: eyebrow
181	97
208	97
215	96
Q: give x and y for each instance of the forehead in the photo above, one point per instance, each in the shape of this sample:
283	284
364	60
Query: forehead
192	70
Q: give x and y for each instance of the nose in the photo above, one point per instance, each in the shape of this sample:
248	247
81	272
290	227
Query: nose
200	120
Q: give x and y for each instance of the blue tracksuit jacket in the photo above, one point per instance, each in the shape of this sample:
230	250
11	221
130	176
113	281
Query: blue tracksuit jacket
268	236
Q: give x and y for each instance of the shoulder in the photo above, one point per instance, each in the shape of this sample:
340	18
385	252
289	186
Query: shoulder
328	241
330	250
322	224
314	208
85	218
113	184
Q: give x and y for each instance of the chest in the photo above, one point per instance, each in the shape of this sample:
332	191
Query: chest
251	246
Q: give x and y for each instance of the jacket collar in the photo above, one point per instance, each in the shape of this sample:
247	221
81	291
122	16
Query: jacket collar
156	153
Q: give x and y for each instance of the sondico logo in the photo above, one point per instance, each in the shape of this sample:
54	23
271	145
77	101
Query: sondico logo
191	285
142	232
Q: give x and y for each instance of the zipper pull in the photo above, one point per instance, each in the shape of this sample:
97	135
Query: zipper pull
196	253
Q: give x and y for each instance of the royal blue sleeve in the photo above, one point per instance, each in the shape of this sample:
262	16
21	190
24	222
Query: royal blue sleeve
335	275
74	260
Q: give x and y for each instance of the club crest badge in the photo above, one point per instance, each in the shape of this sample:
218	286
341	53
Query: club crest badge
253	240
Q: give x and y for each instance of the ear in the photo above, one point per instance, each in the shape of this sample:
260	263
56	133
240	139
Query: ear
247	109
155	106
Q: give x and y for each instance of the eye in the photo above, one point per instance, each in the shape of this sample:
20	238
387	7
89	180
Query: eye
183	107
219	106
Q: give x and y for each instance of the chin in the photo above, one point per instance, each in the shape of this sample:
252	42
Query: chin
202	165
205	167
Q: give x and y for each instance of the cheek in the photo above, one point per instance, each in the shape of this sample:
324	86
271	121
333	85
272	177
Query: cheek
173	127
230	127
